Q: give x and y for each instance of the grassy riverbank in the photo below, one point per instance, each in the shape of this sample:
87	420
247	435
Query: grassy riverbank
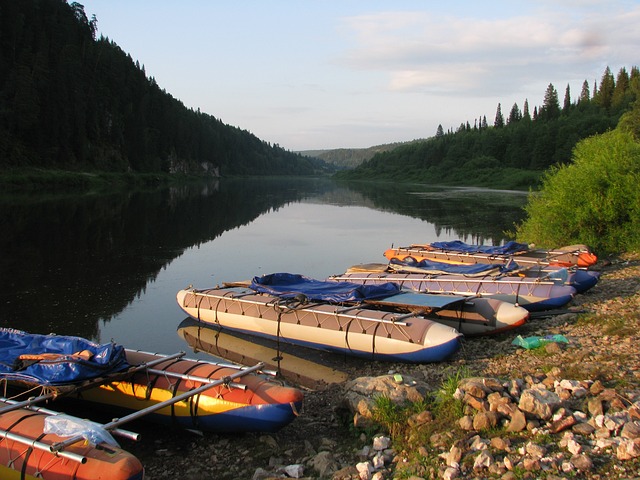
68	181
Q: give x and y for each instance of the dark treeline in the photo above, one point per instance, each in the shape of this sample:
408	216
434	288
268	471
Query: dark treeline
71	101
513	150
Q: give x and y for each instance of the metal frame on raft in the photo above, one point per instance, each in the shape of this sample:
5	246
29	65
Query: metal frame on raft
339	311
344	320
529	257
471	286
58	448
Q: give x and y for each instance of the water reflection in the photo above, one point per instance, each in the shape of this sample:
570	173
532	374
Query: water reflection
68	262
109	266
480	215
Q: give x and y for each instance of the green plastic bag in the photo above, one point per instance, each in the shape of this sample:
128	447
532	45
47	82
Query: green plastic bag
535	342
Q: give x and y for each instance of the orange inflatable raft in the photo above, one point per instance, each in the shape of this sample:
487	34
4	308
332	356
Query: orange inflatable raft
26	452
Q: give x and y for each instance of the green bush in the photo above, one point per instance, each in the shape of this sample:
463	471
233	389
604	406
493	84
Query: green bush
594	200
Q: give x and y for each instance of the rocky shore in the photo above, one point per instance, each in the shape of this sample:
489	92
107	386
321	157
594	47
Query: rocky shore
564	410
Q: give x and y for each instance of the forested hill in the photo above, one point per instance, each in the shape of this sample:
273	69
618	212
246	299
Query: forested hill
516	148
350	157
71	101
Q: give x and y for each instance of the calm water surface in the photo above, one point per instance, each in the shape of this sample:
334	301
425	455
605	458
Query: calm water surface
109	266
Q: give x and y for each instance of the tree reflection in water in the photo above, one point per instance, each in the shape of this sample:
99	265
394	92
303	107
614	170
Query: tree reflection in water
90	265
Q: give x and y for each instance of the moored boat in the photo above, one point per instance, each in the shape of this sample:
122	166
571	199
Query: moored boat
27	451
339	321
168	389
531	294
460	252
251	403
578	278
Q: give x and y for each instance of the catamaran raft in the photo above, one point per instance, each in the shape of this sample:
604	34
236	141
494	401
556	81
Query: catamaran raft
378	322
40	443
460	252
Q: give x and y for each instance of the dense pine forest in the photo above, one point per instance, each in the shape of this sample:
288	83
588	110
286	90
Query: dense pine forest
71	101
515	148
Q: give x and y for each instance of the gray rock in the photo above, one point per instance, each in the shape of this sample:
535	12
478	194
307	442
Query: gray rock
628	449
553	348
466	423
483	460
360	394
451	473
531	464
346	473
381	442
535	450
518	422
539	402
324	463
454	456
594	406
631	430
293	471
485	420
582	462
365	470
500	443
583	429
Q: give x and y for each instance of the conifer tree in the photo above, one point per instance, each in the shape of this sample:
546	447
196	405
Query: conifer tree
514	115
585	96
567	100
440	131
551	107
605	94
499	120
525	111
619	98
634	81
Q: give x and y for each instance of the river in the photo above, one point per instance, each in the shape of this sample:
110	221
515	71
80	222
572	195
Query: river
108	266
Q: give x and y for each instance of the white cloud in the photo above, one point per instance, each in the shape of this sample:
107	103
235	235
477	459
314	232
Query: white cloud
430	52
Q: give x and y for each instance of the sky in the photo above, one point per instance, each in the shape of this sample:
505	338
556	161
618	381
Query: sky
325	74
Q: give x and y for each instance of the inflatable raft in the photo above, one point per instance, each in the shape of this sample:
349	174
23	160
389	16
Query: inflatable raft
250	403
533	294
324	316
167	389
26	451
460	252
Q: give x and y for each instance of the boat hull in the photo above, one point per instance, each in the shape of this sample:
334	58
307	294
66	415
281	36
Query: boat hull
356	331
483	316
255	404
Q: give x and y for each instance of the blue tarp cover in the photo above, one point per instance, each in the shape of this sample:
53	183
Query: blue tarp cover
290	285
55	360
430	266
459	246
